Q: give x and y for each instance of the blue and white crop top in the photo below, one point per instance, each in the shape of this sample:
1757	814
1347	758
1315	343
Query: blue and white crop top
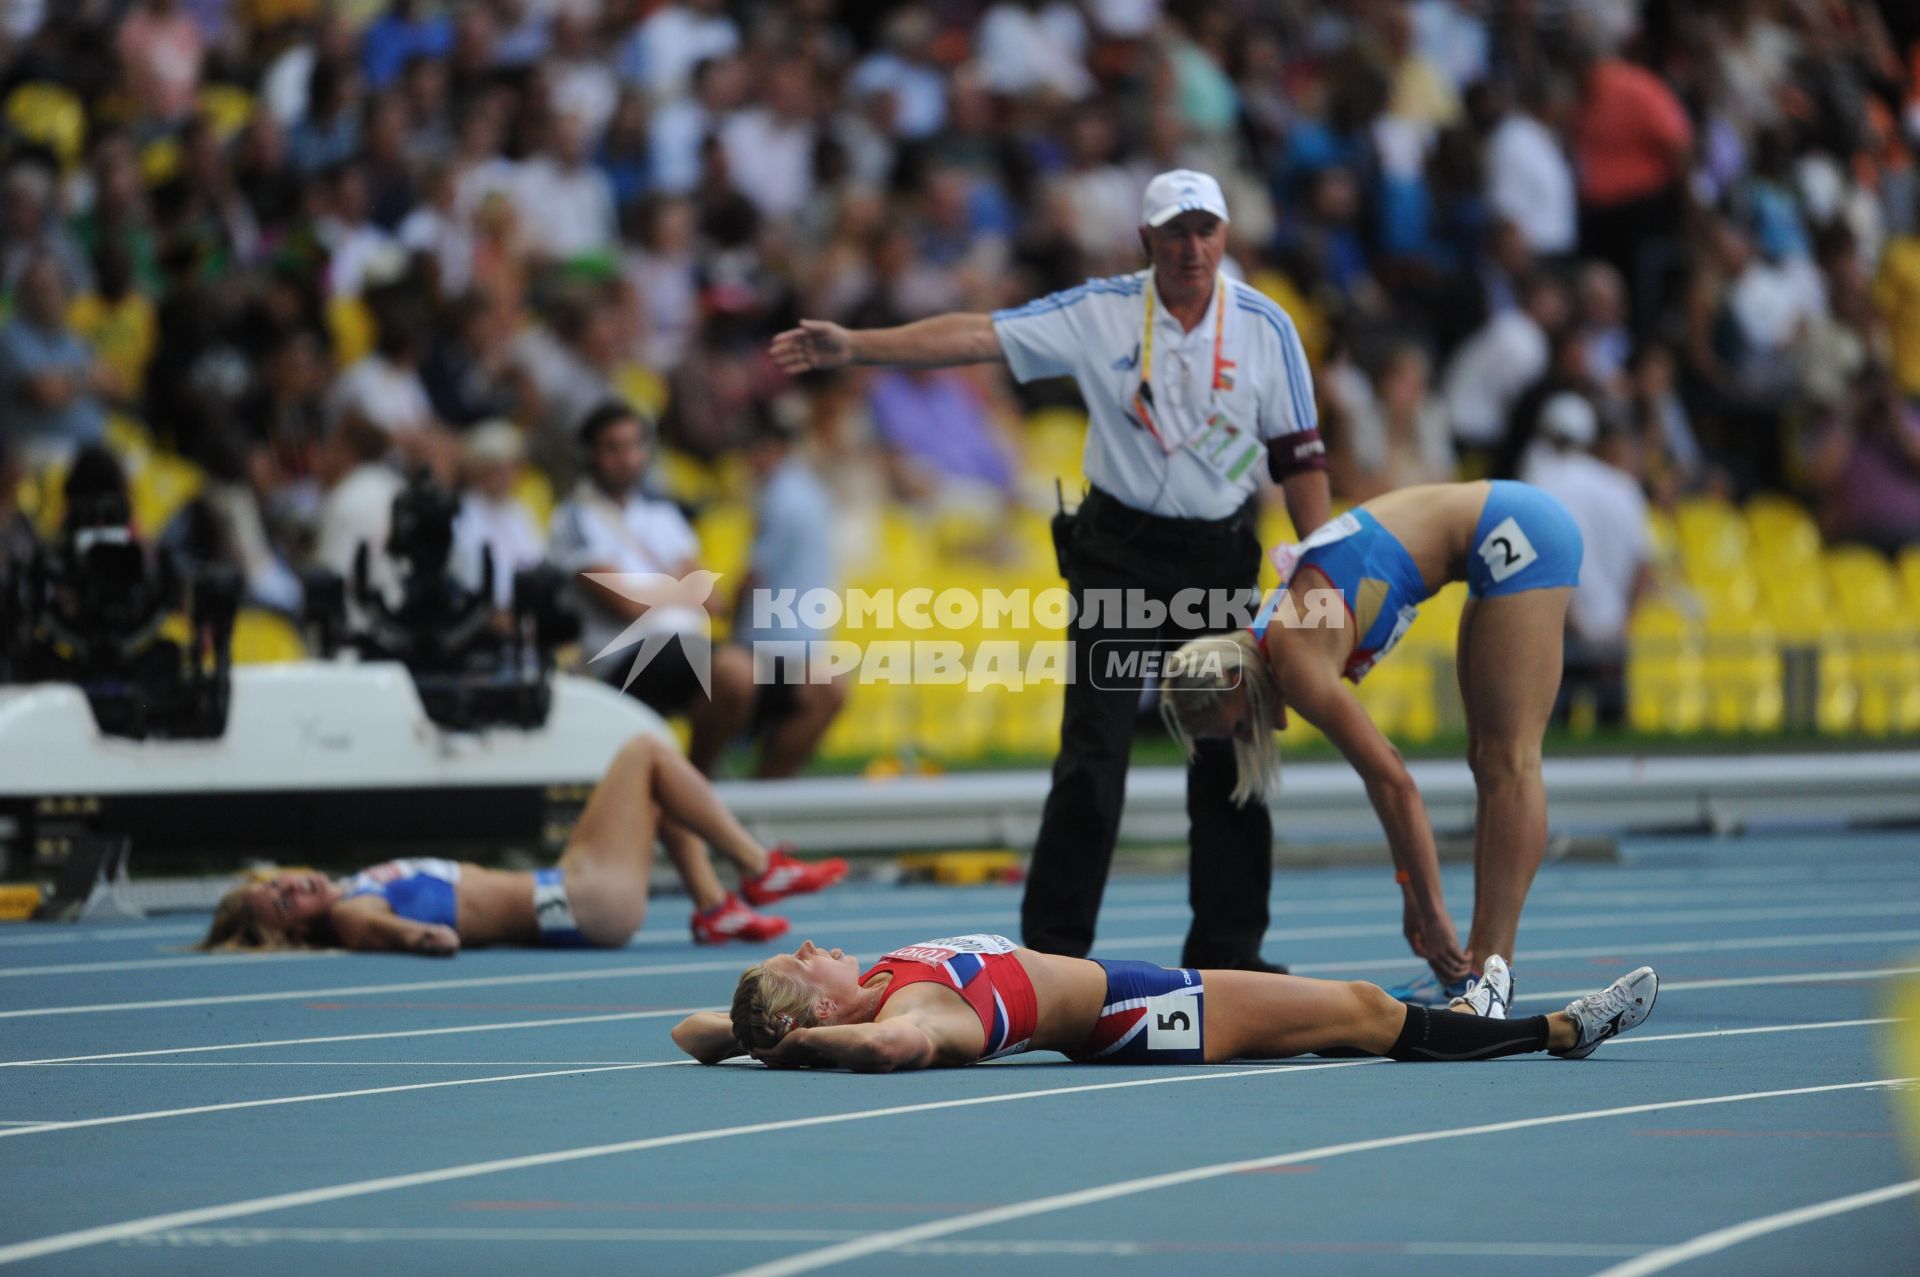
420	889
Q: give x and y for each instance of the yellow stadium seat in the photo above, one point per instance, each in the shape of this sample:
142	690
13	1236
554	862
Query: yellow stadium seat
954	722
1743	674
52	116
687	479
1666	688
534	491
159	161
349	328
1781	531
265	638
726	539
1712	535
228	108
1910	578
1276	527
1732	593
1863	583
160	488
1663	537
42	497
129	439
642	387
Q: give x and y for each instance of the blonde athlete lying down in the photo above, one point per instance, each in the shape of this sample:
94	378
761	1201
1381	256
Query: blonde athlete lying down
946	1003
596	896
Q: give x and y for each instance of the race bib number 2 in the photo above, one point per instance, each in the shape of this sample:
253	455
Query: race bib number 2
1173	1022
1506	550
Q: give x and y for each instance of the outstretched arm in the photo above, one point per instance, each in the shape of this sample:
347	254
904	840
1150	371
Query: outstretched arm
1316	692
884	1046
939	342
708	1037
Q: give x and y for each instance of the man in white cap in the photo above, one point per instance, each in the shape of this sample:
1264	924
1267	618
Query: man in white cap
1581	465
1190	381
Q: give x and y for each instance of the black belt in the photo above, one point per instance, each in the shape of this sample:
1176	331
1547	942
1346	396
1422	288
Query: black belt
1110	516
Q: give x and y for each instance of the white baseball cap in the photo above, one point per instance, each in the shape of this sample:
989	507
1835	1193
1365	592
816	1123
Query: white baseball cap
1570	419
1181	191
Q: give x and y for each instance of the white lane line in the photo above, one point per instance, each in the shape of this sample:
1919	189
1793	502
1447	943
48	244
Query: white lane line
1535	925
1738	982
268	1236
1639	1038
327	1064
59	933
378	990
154	1115
205	961
361	1037
986	915
686	968
1636	950
1565	878
19	1123
87	1062
234	1237
1562	995
1721	1239
81	1238
836	928
893	1239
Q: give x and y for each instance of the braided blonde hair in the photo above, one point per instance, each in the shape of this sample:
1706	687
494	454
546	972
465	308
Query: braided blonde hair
767	1006
1199	677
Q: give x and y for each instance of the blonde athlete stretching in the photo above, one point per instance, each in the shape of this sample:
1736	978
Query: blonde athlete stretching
1519	552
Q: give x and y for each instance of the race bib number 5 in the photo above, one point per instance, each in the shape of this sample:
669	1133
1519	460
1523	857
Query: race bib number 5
1506	550
1173	1022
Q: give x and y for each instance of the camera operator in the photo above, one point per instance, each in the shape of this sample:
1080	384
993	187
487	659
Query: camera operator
358	505
89	610
490	520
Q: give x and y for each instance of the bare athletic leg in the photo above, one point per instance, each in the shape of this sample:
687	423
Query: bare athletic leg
695	866
788	746
1509	669
719	719
609	861
1251	1015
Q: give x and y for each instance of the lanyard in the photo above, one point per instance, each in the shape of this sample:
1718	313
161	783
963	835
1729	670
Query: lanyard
1143	405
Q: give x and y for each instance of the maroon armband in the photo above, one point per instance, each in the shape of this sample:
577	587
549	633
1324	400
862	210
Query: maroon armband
1296	453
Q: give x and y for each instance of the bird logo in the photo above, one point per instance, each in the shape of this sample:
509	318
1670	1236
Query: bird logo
656	590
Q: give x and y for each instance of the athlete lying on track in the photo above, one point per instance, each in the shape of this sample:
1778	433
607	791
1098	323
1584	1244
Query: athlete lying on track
945	1003
595	896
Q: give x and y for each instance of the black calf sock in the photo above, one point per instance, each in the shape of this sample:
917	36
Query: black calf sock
1448	1035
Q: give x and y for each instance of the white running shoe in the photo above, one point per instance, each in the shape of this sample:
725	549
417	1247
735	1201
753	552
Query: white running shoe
1614	1010
1490	993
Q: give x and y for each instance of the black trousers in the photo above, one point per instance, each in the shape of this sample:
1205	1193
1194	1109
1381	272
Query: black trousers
1230	869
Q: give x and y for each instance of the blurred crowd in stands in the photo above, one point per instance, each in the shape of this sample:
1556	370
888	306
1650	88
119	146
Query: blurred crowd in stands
1628	249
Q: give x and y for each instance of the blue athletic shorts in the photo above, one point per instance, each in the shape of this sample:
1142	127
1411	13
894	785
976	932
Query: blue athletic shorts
1152	1015
558	928
1525	540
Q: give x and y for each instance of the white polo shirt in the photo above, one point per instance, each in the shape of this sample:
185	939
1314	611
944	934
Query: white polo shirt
1093	334
635	536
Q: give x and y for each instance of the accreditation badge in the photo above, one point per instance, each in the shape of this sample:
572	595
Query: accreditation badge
1225	448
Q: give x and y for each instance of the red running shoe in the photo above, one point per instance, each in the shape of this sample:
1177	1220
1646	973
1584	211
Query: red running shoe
732	920
784	876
